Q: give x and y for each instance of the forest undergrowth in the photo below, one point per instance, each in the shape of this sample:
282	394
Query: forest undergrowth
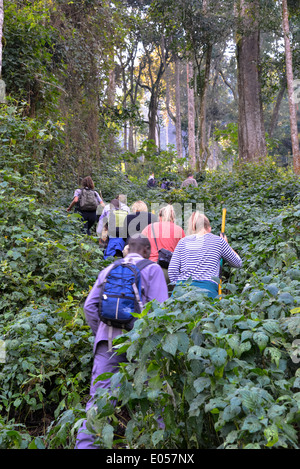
221	374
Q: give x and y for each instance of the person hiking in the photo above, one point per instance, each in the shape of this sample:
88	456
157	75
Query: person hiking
117	203
151	183
164	236
113	219
86	201
138	218
122	198
199	254
136	221
189	181
105	357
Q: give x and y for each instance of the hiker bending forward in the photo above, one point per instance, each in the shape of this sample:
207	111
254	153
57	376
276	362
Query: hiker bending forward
198	256
105	359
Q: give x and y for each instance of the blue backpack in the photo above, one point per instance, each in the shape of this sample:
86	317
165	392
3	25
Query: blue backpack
121	292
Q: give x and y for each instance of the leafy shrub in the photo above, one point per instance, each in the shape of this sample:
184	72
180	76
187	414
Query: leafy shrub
218	374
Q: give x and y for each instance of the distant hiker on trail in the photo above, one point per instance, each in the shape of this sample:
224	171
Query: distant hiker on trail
199	254
153	286
114	219
165	185
102	226
189	181
136	221
151	183
164	236
86	201
123	202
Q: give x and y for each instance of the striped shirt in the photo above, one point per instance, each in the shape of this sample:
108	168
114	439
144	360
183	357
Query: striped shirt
198	257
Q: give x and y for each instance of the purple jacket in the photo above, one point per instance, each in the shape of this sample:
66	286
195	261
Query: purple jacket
155	287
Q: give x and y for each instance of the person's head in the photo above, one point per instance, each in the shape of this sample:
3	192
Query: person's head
190	175
167	213
198	223
139	206
88	182
114	204
139	244
122	198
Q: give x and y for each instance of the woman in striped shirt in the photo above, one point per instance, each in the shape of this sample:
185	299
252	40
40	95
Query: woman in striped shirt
198	256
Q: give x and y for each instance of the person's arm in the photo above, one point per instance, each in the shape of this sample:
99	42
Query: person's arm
99	199
91	305
174	266
74	201
102	220
228	254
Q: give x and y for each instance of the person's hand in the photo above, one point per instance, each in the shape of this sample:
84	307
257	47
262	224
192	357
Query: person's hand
224	237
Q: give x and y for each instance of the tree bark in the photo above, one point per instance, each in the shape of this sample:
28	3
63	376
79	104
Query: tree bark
275	113
202	116
251	133
191	117
178	108
1	33
290	79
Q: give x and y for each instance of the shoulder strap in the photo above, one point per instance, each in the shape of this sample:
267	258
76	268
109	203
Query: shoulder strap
152	226
142	264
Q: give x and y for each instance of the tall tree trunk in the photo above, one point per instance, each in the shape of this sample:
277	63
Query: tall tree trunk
1	33
178	108
252	143
289	75
191	116
152	115
167	80
2	83
275	113
131	140
125	136
201	162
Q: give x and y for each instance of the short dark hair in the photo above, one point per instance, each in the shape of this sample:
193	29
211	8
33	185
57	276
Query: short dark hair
137	242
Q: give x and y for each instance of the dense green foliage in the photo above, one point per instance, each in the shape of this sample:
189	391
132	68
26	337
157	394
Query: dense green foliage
221	374
218	374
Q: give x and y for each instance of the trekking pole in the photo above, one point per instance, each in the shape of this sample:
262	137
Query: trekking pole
221	263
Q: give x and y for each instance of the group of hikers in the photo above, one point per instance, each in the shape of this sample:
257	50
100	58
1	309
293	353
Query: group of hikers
153	258
167	185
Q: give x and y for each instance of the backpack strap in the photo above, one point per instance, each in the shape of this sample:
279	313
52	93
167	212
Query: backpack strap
154	236
141	265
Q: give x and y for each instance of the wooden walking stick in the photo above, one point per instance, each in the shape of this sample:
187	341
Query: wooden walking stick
221	263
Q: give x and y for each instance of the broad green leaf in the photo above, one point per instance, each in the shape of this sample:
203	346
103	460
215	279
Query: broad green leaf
271	434
261	340
170	344
218	356
202	383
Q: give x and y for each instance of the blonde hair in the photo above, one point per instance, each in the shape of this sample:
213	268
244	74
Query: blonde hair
198	222
139	206
167	213
122	198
